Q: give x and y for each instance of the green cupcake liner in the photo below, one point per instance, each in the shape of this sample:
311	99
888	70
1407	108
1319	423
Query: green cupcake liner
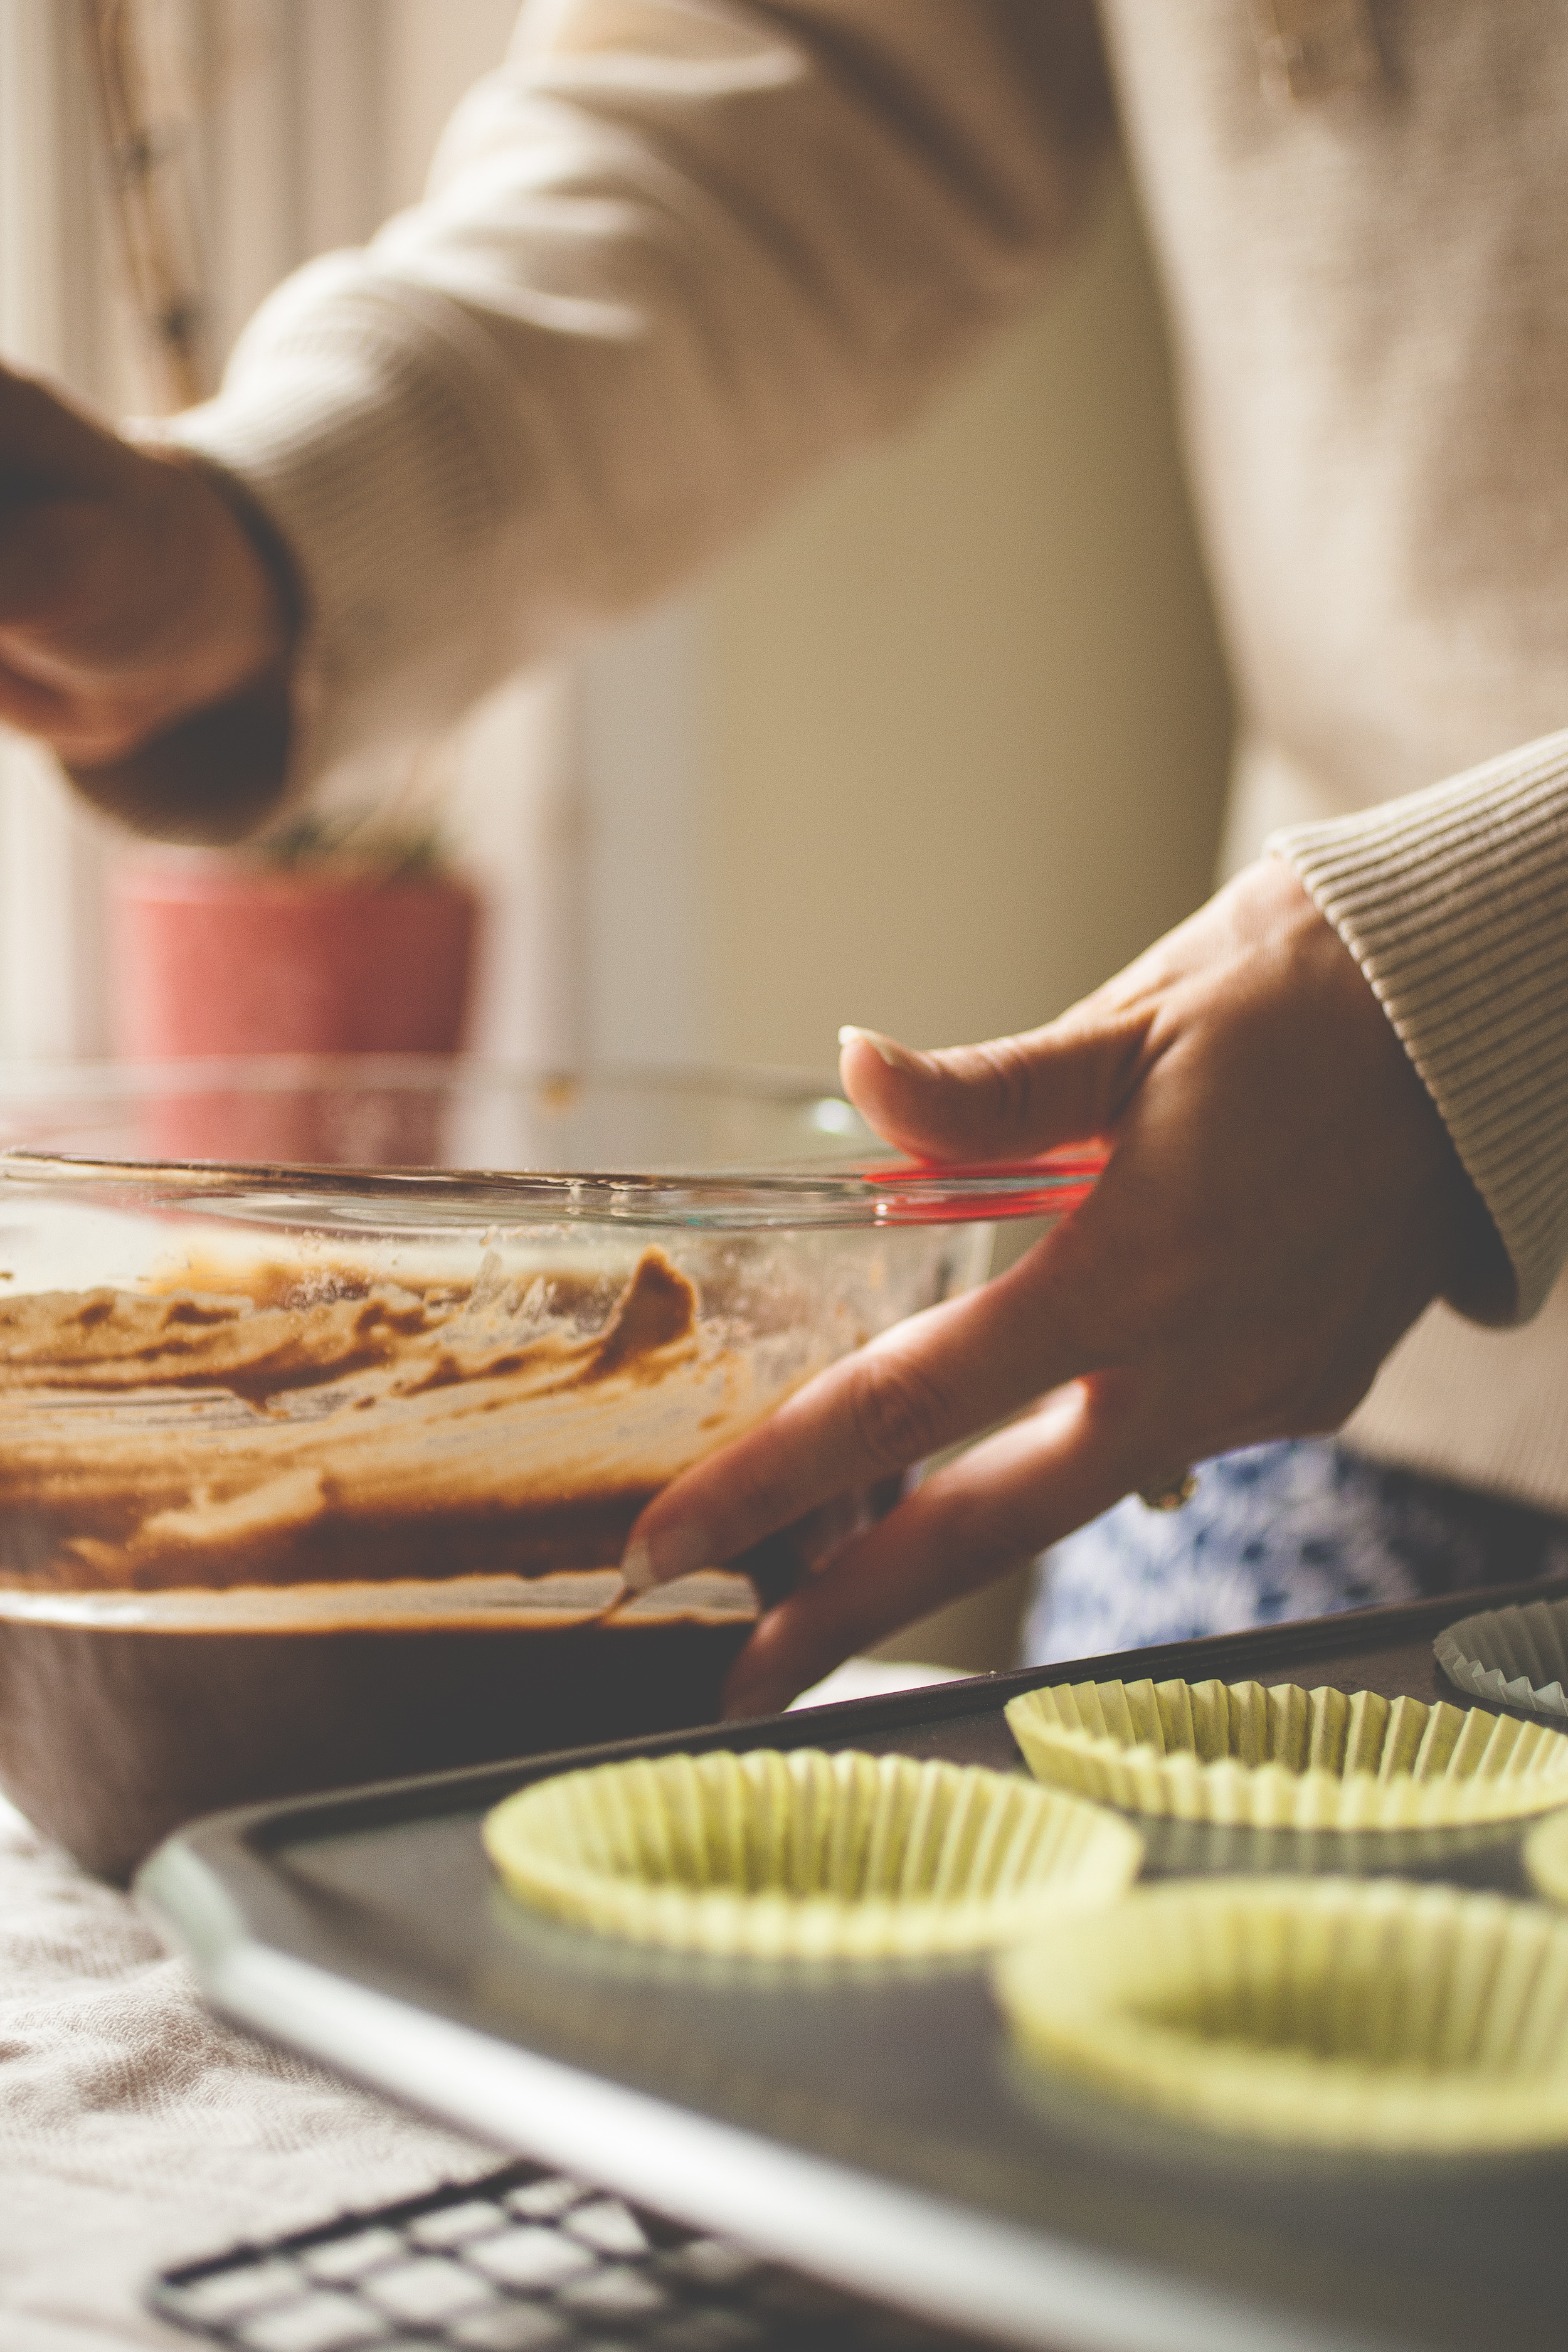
1374	2014
806	1854
1280	1757
1546	1858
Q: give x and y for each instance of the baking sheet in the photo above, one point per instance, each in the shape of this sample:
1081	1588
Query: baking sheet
869	2122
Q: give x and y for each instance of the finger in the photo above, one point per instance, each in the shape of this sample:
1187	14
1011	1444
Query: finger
87	728
1008	1099
1099	1289
49	442
980	1518
49	553
923	1385
33	709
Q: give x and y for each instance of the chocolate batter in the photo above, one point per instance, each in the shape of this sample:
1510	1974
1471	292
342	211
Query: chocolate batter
322	1428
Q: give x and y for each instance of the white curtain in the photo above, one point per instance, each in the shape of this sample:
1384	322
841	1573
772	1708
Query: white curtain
51	316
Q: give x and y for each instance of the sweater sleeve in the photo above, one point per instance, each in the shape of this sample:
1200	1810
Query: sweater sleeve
674	254
1455	903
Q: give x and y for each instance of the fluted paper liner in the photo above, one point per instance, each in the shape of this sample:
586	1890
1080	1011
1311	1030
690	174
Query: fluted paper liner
806	1854
1546	1858
1350	2013
1284	1758
1515	1657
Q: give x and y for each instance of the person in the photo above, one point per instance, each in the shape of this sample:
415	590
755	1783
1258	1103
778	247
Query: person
677	254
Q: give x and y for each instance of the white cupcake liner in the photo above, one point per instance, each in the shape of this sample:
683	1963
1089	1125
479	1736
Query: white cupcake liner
1284	1758
804	1855
1370	2014
1515	1657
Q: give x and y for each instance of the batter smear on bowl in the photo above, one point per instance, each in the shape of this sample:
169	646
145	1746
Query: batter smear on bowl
327	1428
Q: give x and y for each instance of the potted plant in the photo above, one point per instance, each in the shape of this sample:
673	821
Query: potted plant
333	936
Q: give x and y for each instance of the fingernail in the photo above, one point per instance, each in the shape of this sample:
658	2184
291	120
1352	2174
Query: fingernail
660	1558
896	1057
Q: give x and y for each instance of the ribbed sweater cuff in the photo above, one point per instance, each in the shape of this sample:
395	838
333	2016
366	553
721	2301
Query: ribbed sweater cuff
348	426
1455	903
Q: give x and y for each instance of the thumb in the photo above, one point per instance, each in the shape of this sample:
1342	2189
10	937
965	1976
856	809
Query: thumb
1008	1099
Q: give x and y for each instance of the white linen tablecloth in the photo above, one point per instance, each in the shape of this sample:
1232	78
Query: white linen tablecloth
136	2132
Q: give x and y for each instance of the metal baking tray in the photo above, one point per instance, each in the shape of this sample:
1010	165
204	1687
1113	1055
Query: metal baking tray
869	2123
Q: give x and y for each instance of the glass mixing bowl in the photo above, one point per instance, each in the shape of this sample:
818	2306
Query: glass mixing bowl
329	1391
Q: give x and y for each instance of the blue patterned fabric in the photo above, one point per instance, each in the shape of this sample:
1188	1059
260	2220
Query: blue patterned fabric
1296	1529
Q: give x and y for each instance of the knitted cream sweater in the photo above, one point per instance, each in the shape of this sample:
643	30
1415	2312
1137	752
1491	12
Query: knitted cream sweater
678	251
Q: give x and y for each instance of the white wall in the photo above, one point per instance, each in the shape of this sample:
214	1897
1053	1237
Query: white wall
968	722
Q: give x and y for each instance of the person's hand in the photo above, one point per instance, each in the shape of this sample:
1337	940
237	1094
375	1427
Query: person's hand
1281	1202
136	607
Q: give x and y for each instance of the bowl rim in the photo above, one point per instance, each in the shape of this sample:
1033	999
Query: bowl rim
873	1185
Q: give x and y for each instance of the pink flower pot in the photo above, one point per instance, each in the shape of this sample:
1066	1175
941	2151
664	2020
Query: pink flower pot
221	958
227	958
